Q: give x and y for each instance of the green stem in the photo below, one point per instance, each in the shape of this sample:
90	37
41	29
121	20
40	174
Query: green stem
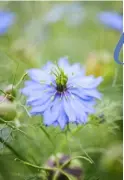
21	79
13	127
2	91
77	157
50	139
47	135
62	172
10	148
55	176
33	165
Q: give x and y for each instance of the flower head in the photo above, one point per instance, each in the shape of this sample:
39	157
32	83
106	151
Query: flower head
112	20
73	167
6	20
61	93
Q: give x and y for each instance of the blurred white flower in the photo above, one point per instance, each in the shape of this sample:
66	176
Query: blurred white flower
71	13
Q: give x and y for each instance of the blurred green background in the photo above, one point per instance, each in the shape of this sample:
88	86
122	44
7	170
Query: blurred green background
36	38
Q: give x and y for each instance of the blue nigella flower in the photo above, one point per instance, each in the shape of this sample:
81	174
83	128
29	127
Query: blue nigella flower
6	20
112	20
61	93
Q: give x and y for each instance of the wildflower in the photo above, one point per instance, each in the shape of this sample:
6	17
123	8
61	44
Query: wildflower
112	20
72	168
6	20
61	93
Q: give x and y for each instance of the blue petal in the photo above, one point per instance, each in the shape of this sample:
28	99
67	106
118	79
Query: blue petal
38	89
29	90
55	124
93	93
40	98
62	120
68	110
48	67
82	119
6	20
49	118
63	62
112	19
87	82
39	76
84	106
52	113
31	83
79	92
75	71
40	109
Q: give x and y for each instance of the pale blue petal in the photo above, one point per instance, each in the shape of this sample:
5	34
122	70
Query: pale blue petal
28	91
6	20
63	62
55	124
40	98
79	92
48	118
112	20
87	82
39	76
52	113
82	106
38	88
93	93
75	71
31	83
62	120
48	67
40	109
68	110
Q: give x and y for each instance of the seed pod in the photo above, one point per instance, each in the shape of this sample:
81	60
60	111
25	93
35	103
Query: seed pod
72	168
10	92
7	109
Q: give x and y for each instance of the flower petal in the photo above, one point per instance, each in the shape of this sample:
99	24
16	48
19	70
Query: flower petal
62	120
6	20
39	76
112	19
68	110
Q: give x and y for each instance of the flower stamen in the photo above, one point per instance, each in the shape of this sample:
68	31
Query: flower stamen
61	79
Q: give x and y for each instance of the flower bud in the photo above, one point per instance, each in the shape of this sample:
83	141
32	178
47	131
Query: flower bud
73	168
10	92
7	109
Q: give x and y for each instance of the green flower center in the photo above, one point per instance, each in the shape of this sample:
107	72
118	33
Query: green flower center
61	80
